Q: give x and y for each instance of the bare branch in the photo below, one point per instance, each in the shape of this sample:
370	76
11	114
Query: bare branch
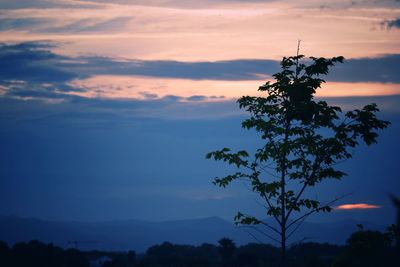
262	205
261	232
318	209
269	173
271	227
252	235
297	59
264	223
297	227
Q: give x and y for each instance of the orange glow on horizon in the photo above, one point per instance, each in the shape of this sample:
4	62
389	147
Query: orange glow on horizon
358	206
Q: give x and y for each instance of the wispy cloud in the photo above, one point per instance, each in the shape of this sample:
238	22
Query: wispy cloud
24	4
84	25
92	25
205	30
22	23
208	3
189	4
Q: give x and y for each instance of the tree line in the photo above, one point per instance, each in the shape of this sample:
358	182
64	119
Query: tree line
363	248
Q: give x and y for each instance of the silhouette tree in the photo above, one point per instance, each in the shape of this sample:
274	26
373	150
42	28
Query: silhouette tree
303	141
367	249
5	254
226	249
396	203
257	255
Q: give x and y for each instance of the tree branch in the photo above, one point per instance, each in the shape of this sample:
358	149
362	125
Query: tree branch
297	199
265	196
315	167
317	209
261	232
263	223
297	227
252	235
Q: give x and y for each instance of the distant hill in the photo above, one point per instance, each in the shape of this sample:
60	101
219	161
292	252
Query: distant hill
139	235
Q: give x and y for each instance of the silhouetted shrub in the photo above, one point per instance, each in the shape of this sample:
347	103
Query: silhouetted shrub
367	249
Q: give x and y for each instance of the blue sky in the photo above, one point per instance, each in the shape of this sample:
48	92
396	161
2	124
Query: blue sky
108	111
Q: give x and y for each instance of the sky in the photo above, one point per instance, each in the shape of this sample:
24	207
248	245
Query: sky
108	108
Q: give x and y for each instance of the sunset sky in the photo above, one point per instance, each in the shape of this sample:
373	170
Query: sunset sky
108	107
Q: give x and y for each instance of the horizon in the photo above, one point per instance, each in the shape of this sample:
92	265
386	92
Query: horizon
139	235
228	220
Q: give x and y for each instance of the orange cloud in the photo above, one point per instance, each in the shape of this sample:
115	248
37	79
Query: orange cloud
358	206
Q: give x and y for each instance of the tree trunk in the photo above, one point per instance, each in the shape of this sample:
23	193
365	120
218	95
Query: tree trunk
283	195
283	245
283	218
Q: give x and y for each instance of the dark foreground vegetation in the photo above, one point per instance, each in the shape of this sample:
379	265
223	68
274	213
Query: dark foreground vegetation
363	248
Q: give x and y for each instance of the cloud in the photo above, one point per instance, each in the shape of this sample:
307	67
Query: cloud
39	54
196	98
21	23
34	62
91	25
392	23
22	4
358	206
382	69
16	4
180	3
71	27
31	70
19	4
232	70
213	3
85	25
34	67
221	32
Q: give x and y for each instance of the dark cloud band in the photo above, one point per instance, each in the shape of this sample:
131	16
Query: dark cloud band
34	63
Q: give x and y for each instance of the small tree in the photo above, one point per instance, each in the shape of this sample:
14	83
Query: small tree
303	140
226	249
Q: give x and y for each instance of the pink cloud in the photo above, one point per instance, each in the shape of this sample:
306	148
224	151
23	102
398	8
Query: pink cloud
357	206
